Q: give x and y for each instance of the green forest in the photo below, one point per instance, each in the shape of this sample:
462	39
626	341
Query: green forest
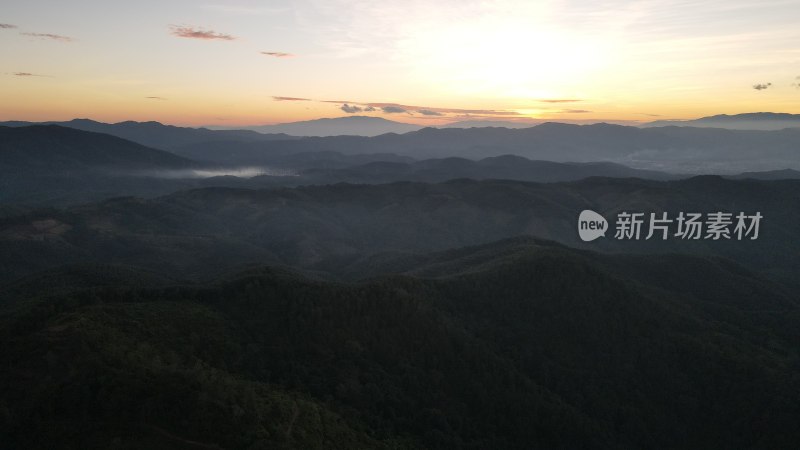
518	344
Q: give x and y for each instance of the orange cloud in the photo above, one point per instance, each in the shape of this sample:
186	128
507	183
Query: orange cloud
199	33
396	107
290	99
351	107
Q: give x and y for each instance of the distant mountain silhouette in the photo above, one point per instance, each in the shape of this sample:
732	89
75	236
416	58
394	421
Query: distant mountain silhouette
746	121
56	148
339	126
681	149
509	167
784	174
671	149
280	154
157	135
488	123
57	166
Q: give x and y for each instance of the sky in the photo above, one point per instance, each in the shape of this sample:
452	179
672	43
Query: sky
424	62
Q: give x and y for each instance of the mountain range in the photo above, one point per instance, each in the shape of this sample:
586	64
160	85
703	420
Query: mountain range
51	148
155	134
747	121
176	288
671	149
338	229
350	125
54	165
680	149
508	167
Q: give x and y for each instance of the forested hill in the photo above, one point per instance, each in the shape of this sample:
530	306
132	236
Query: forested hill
51	148
200	233
521	344
157	135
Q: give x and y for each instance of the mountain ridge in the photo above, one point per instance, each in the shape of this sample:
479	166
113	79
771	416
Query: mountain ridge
155	134
743	121
337	126
53	147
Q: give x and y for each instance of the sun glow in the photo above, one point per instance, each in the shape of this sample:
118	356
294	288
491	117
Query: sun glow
616	60
514	59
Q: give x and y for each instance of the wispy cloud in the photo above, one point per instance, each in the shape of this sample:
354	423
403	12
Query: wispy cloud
575	111
279	54
428	112
155	97
559	100
498	112
29	74
761	86
352	107
50	36
797	84
290	99
199	33
7	26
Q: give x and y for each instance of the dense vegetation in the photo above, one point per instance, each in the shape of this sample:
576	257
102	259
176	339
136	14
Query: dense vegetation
521	344
338	229
414	314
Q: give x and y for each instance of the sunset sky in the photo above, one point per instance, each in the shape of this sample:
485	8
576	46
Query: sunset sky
425	62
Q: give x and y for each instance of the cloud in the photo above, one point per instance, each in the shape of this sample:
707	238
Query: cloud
392	109
797	85
575	111
154	97
7	26
290	99
351	109
279	54
54	37
199	33
28	74
428	112
761	86
560	100
497	112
